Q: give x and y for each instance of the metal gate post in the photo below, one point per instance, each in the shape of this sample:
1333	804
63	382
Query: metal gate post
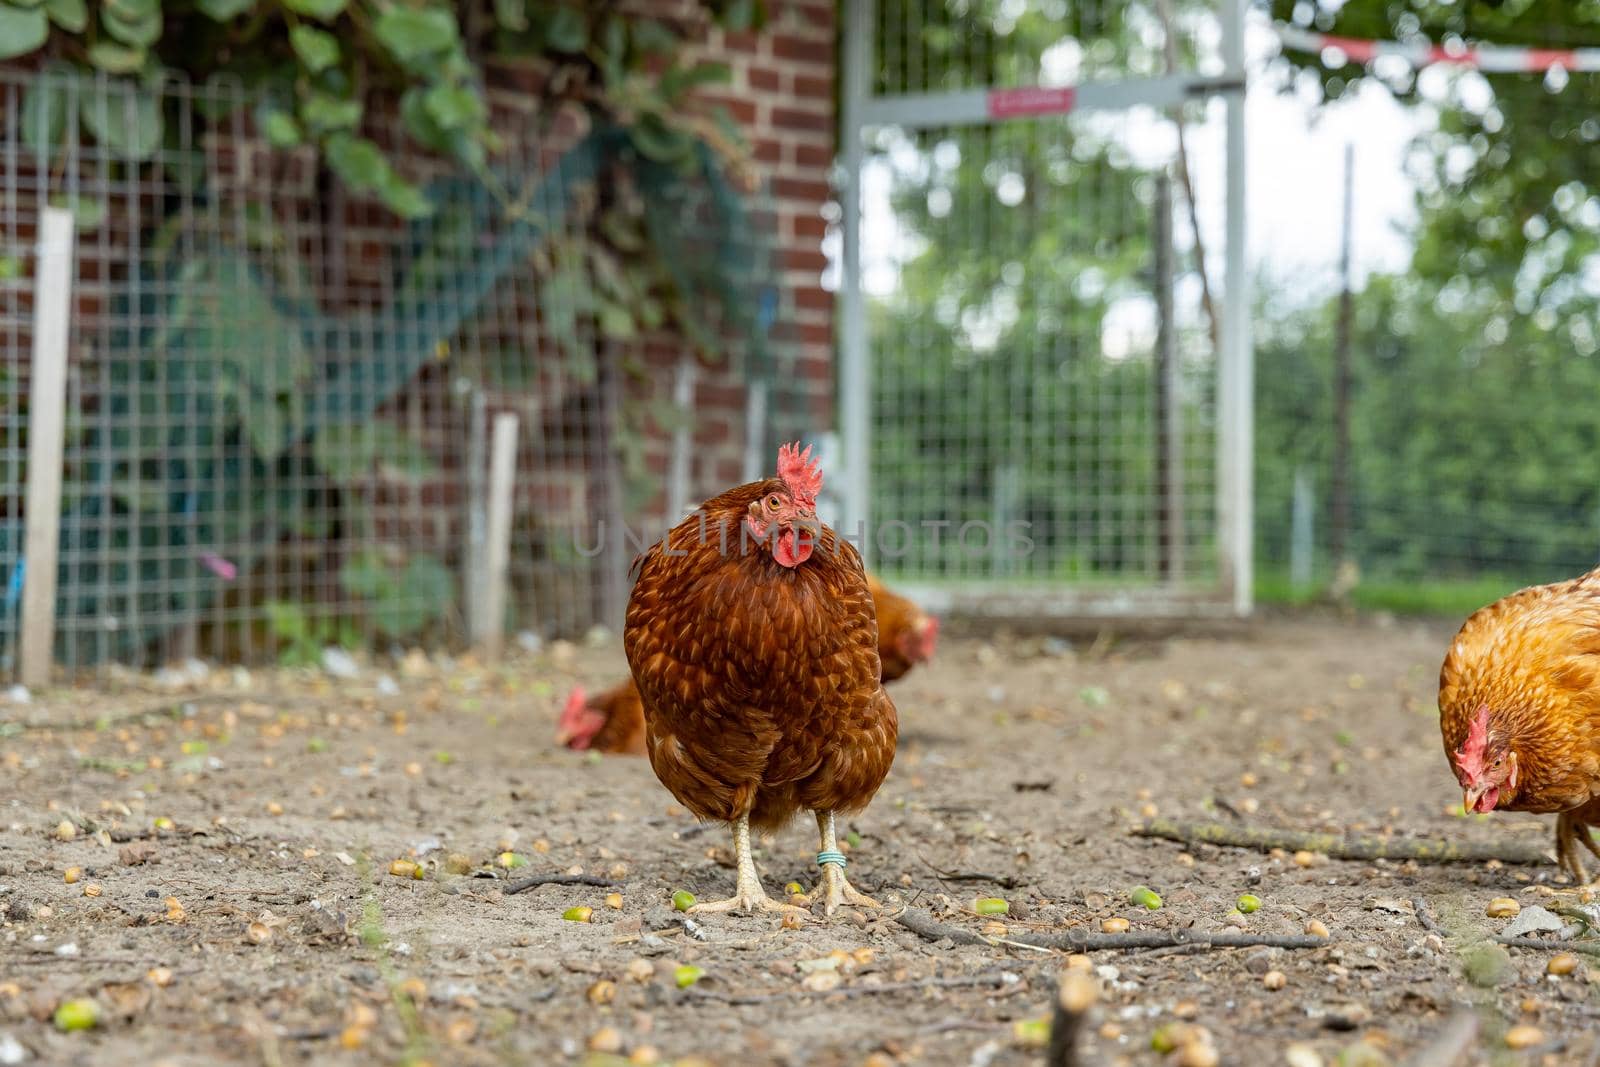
1236	370
855	377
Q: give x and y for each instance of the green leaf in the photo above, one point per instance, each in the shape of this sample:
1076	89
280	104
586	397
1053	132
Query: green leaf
325	113
410	34
44	116
279	128
567	30
511	14
323	10
420	122
452	107
404	198
25	3
741	15
657	141
223	10
127	122
10	268
132	9
140	32
349	452
21	31
87	213
675	81
652	38
114	58
70	15
358	162
318	50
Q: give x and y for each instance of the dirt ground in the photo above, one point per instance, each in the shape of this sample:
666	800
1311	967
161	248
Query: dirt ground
270	911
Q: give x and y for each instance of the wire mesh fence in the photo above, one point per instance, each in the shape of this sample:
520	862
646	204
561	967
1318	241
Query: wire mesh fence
1472	419
279	392
1044	419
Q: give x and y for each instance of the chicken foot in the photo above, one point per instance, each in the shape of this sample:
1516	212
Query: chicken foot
748	895
833	885
1572	831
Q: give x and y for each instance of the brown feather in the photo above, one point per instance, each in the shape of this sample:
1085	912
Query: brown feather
1533	660
760	683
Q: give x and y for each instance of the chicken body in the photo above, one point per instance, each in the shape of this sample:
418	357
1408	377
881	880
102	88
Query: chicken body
612	721
1519	709
760	678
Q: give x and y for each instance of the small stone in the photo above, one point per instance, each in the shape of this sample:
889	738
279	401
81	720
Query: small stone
1274	980
1302	1055
606	1039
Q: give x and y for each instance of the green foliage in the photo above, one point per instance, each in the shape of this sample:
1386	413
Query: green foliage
302	638
324	60
401	599
1475	447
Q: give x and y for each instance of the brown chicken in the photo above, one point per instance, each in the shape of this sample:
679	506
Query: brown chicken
1519	709
613	721
754	644
906	634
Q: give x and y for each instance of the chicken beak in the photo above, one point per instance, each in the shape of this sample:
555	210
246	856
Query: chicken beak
563	735
1470	797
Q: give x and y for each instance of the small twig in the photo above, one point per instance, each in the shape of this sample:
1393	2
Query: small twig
1075	995
928	928
1454	1041
855	990
1590	948
1344	846
321	1033
1424	913
1004	881
525	884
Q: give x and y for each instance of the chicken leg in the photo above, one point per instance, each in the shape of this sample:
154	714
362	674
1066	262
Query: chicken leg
835	888
1572	831
748	895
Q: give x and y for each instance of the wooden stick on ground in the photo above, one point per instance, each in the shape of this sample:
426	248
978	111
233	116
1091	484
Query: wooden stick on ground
1588	948
1450	1046
928	928
1344	846
1075	995
558	879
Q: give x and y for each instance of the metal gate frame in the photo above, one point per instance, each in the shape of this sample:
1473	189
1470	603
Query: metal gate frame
861	109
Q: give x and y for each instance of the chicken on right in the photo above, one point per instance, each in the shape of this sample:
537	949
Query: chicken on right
1519	710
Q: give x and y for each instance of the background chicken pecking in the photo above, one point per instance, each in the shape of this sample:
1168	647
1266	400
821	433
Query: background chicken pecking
612	720
1519	709
754	643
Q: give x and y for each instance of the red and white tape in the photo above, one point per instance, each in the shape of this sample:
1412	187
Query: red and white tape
1495	59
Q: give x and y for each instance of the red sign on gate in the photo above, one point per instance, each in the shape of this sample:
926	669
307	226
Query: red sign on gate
1018	103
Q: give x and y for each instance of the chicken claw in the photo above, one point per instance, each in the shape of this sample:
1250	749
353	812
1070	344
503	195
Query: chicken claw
834	887
748	896
1572	831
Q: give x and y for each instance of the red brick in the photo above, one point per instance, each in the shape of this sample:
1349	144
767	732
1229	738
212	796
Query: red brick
813	190
813	300
805	259
765	80
768	150
741	42
818	52
812	226
740	108
807	86
788	118
808	155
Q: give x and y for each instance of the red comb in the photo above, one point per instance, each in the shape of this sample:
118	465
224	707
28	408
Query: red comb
1470	757
800	473
576	702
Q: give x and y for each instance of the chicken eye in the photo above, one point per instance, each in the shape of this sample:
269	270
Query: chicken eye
773	502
